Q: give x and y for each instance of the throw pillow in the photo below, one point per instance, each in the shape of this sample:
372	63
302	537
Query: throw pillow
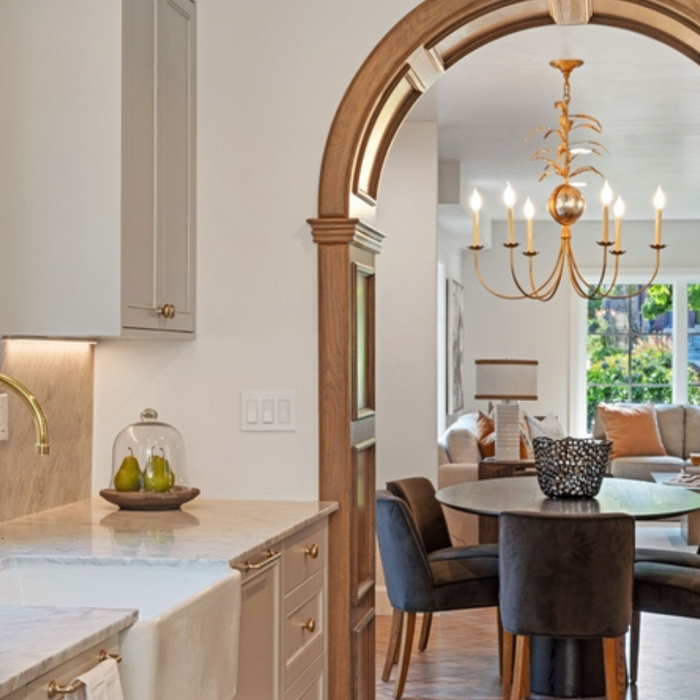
633	430
486	437
548	426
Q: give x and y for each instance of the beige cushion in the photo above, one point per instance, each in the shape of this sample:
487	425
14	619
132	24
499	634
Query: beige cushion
548	427
632	429
462	446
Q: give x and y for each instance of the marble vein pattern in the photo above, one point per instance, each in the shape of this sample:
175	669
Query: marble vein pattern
42	638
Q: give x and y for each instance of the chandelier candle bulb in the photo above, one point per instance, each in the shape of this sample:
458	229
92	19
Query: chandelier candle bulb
529	211
659	201
619	211
475	204
509	201
606	197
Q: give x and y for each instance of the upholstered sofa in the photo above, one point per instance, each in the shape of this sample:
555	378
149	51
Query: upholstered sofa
678	430
459	455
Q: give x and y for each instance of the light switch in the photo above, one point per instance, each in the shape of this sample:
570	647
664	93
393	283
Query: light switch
268	411
283	411
251	414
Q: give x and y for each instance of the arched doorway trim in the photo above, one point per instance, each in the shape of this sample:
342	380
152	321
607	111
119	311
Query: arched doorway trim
430	39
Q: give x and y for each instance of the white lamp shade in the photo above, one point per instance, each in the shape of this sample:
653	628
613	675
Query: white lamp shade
509	380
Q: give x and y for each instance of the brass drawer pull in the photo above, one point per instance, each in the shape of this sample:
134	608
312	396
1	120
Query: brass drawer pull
55	689
167	311
255	566
309	625
311	551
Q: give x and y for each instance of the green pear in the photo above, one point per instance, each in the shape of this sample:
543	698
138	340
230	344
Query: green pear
128	476
157	476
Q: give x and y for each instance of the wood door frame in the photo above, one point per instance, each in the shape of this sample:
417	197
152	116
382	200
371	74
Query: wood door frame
424	44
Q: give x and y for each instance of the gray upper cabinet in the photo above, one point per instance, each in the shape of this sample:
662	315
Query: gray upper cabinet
97	186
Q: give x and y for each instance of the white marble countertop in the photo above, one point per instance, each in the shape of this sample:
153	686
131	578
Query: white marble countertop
201	529
41	638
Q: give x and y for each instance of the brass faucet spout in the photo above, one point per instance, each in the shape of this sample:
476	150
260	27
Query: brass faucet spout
42	428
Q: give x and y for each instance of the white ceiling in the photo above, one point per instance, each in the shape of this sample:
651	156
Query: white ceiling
645	94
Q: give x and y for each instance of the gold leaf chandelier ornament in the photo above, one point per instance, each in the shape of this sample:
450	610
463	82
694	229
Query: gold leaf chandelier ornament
566	204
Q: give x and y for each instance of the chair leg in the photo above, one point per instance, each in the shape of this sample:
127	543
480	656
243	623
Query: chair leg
613	661
500	632
409	629
425	631
521	669
392	652
508	643
634	644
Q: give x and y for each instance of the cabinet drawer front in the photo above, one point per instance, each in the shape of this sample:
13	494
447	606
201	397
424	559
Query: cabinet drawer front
304	627
304	554
67	671
311	684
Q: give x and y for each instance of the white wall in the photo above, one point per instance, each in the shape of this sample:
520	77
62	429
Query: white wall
406	307
270	76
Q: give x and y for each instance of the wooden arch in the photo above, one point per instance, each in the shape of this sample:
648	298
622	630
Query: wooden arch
424	44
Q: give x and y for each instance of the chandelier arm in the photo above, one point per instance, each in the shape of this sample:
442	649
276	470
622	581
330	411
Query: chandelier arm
546	290
489	289
644	287
583	287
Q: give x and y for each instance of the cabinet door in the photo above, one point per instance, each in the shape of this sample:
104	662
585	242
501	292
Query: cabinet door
259	652
159	159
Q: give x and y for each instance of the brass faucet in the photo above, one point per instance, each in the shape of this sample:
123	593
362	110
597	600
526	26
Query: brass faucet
42	429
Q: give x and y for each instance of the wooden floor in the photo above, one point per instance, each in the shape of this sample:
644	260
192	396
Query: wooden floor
461	660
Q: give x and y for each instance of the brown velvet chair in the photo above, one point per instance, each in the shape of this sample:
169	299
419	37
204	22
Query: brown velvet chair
419	584
565	576
419	494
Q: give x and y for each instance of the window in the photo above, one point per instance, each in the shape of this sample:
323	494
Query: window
646	348
629	348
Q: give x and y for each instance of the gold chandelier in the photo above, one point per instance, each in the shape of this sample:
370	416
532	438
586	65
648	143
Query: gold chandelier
566	204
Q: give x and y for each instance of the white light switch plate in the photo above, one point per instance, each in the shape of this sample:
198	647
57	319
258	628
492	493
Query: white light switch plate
269	411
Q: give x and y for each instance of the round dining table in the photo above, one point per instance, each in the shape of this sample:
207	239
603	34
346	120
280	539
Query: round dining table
643	500
569	668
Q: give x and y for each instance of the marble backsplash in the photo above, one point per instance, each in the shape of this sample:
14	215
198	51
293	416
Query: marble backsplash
61	376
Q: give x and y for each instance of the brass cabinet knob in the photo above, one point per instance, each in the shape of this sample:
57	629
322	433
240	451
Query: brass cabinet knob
309	625
311	551
167	311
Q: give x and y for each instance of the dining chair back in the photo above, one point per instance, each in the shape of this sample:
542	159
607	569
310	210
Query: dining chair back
418	584
666	582
565	576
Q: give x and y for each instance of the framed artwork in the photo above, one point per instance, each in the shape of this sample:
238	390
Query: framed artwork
455	346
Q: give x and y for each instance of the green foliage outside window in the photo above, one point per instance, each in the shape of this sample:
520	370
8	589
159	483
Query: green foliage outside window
628	359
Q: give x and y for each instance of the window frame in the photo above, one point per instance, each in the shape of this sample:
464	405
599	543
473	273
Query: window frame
579	355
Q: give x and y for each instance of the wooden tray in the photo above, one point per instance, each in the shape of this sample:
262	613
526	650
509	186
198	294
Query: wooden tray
149	500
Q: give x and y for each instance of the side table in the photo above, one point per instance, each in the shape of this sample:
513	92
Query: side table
690	523
491	468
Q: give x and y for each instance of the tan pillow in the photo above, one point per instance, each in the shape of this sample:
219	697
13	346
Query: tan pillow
633	430
486	437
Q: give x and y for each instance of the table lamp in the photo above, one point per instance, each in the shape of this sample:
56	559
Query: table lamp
507	381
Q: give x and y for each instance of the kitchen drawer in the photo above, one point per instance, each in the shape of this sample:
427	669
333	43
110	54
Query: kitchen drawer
67	671
304	554
311	684
304	626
